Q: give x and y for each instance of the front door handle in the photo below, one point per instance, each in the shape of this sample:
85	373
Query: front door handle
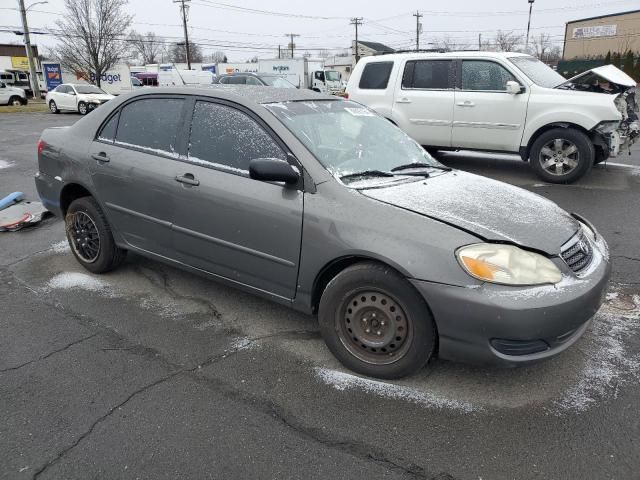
101	157
188	179
466	104
403	100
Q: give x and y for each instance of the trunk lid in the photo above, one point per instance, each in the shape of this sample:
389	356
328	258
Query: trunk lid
489	209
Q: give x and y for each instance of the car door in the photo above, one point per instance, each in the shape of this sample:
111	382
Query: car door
226	223
485	115
65	97
423	106
133	167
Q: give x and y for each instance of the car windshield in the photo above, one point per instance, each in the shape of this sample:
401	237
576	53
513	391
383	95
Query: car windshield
89	89
348	138
540	73
277	82
332	75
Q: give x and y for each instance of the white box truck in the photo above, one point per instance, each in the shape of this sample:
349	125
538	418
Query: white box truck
304	73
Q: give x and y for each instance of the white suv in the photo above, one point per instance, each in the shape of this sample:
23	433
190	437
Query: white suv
503	102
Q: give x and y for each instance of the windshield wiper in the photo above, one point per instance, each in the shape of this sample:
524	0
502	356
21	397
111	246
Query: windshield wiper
414	165
368	173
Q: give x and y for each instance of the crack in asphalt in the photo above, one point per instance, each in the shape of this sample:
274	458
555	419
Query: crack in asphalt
43	357
633	259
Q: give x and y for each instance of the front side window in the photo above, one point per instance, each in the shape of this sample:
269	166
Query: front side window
151	124
375	76
484	75
428	74
228	138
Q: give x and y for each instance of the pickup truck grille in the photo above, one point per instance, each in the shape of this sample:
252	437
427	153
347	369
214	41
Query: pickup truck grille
578	253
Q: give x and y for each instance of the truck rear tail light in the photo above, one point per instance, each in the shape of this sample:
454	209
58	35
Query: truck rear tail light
41	146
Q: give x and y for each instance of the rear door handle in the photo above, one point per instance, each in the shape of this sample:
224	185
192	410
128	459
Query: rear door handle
101	157
466	104
188	179
403	100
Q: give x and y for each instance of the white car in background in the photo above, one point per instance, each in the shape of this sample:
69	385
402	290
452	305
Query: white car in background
81	98
503	102
12	95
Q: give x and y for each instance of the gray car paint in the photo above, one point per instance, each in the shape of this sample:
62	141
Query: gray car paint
288	235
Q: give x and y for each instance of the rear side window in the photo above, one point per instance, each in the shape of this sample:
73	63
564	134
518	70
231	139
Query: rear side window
375	76
429	74
253	81
108	132
484	75
228	138
236	80
151	124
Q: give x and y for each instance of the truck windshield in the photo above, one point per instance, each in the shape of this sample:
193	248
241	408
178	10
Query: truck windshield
539	73
348	138
332	76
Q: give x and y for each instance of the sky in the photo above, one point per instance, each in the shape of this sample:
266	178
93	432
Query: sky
248	28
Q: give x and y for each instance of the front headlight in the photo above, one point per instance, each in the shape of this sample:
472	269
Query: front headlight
507	264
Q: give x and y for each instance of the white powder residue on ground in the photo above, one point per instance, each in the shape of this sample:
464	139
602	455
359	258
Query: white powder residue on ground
68	280
60	247
345	381
243	343
609	364
5	164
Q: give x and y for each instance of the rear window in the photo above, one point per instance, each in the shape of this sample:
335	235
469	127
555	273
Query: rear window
375	76
151	124
428	74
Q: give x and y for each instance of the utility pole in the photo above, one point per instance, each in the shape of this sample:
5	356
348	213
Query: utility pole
357	21
479	42
526	47
183	7
418	16
291	45
279	54
35	88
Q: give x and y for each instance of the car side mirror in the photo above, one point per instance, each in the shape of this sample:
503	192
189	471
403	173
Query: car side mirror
514	88
72	92
273	170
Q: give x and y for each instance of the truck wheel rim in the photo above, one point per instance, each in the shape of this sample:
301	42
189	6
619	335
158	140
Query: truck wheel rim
84	236
373	327
559	157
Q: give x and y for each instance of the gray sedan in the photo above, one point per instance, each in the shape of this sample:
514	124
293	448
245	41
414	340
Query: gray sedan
320	204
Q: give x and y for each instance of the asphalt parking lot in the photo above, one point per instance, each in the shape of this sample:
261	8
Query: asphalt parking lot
152	373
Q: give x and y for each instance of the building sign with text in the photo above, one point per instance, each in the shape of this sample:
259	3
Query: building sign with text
20	63
52	75
595	31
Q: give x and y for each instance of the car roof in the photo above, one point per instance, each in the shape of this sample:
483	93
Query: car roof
247	95
459	54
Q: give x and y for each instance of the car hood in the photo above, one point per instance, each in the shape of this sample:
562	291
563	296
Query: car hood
609	73
491	210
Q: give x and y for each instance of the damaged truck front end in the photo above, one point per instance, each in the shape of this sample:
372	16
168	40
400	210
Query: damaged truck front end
613	136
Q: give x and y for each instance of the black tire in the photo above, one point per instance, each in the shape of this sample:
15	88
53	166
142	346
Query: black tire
601	156
403	316
108	255
15	101
566	168
83	108
53	108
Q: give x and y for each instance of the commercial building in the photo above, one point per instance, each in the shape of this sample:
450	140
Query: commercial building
596	36
14	57
344	65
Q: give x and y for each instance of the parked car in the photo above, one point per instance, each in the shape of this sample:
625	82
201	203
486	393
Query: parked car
255	79
81	98
12	95
322	205
505	102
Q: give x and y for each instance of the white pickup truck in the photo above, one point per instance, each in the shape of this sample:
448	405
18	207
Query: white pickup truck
503	102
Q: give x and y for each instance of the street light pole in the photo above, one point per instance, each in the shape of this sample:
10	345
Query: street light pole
526	47
35	88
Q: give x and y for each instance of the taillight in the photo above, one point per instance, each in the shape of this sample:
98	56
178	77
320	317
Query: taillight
41	146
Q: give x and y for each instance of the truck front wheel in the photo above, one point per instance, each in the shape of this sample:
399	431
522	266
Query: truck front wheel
562	155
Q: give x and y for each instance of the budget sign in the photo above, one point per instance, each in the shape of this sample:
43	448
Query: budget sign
52	75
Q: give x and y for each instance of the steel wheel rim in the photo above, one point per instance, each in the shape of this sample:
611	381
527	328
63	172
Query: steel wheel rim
84	236
374	327
15	103
559	157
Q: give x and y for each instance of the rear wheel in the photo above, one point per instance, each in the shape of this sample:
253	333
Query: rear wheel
562	155
53	107
90	237
376	323
15	101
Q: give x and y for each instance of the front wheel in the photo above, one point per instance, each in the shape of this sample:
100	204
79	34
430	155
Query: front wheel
562	155
82	108
15	101
376	323
90	237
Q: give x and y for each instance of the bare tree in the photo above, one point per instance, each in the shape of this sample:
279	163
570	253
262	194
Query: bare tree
217	57
178	53
542	46
92	41
449	44
507	41
147	46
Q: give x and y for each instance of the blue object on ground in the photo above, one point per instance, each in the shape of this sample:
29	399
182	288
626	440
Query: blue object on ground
15	197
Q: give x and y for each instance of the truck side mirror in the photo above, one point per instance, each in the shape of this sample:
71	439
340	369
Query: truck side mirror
514	88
